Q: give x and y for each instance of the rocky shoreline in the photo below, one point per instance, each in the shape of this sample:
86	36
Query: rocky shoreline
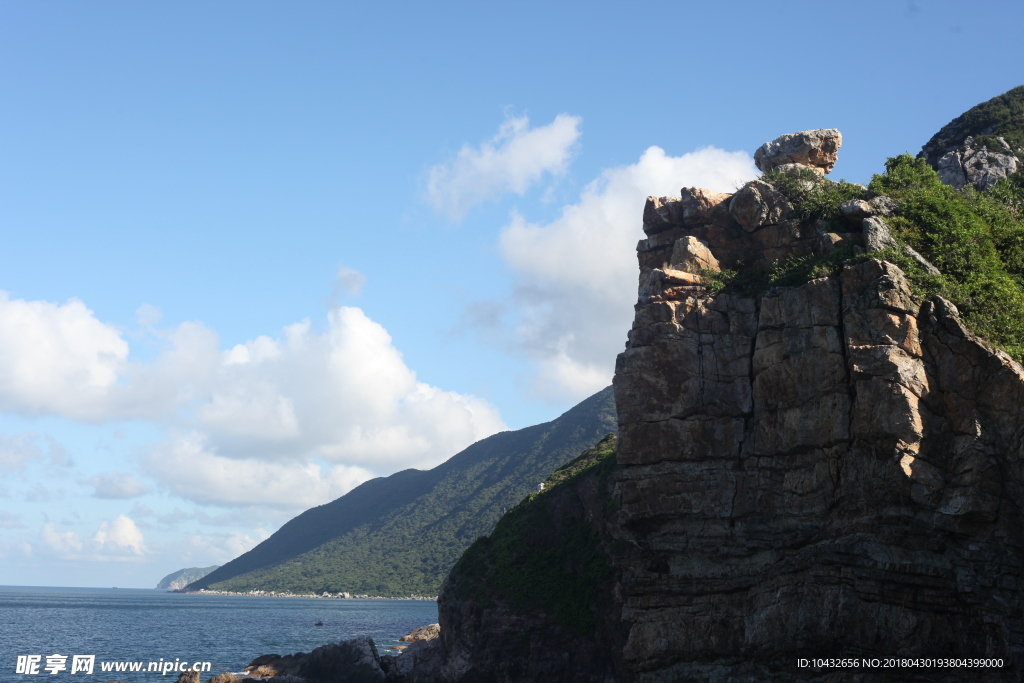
321	596
350	661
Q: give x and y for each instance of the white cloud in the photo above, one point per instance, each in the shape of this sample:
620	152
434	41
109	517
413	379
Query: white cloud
512	161
191	470
118	485
118	539
576	277
119	536
60	541
343	395
55	358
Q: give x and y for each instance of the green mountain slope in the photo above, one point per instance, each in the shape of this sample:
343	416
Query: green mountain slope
1002	116
401	534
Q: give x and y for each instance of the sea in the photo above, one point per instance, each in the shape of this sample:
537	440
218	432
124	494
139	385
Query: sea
123	628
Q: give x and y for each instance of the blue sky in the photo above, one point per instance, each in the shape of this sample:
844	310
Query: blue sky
257	252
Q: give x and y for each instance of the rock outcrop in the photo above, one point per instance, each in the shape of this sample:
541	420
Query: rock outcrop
831	469
428	632
981	146
348	661
977	165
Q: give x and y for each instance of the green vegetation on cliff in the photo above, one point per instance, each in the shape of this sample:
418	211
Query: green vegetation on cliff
976	240
400	535
543	555
1002	116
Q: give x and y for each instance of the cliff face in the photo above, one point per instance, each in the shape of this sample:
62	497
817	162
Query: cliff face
831	469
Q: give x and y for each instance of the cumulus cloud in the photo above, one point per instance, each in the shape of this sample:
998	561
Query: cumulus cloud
342	396
300	420
59	359
513	160
119	536
55	358
117	539
117	485
190	469
576	277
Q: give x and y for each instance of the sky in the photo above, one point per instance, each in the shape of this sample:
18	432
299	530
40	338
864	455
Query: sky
256	253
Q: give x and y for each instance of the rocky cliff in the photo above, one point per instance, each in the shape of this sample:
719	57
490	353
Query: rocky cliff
183	577
814	460
830	469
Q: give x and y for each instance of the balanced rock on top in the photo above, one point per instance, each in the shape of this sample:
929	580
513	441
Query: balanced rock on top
814	149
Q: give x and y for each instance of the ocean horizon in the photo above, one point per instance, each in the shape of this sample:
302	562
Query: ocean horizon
158	632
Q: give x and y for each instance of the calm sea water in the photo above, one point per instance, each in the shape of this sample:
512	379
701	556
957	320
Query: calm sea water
147	625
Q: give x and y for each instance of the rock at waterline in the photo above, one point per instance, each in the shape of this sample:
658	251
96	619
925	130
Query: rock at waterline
428	632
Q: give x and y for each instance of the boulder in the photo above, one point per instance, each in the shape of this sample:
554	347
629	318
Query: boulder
188	677
349	661
877	235
691	255
703	207
428	632
661	214
814	149
224	678
856	209
756	204
420	663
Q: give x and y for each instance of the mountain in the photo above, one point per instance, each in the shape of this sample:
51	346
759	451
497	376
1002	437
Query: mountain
400	535
183	577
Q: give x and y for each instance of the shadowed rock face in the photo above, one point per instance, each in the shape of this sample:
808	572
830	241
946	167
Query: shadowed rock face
830	470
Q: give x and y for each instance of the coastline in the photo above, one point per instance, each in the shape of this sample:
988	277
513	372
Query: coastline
286	594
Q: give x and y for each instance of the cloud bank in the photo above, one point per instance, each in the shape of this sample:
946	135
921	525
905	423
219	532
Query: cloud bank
294	420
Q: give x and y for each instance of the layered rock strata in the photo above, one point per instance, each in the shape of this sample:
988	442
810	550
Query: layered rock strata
833	469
